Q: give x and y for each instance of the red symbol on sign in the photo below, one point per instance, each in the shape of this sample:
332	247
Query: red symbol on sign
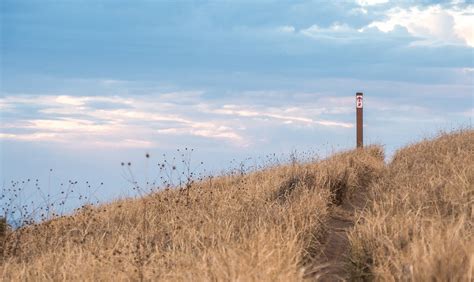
359	102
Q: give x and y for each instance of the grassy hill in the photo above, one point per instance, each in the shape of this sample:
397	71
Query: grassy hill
348	216
419	222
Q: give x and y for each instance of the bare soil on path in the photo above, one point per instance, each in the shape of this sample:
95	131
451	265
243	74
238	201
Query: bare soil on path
332	264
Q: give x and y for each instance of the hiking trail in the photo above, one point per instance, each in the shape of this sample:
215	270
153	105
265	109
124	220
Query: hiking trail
332	263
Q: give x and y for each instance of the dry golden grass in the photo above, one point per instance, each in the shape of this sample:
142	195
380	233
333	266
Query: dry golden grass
263	226
418	225
270	225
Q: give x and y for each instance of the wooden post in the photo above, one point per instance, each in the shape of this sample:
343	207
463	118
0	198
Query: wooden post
360	122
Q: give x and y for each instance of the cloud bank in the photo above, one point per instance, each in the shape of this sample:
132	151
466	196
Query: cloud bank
148	120
433	25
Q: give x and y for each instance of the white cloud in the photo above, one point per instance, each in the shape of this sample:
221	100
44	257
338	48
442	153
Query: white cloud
125	143
431	25
4	106
72	119
37	136
435	25
468	70
359	10
336	31
370	2
60	101
69	100
286	29
280	114
211	129
68	125
149	120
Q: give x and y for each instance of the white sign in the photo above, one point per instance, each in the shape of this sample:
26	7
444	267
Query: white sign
359	101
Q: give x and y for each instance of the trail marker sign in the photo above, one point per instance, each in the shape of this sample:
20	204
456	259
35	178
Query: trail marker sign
359	118
359	101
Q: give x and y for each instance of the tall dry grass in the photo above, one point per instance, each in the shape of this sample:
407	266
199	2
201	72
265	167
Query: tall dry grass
262	226
419	222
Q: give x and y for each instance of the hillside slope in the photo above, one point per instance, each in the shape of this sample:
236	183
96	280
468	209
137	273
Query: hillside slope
418	225
266	225
350	216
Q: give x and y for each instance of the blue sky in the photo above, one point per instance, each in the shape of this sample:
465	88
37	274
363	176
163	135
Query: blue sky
88	84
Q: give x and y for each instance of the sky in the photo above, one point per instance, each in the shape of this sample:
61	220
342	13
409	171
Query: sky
86	85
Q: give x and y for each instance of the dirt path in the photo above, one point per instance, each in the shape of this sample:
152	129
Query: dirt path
331	264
